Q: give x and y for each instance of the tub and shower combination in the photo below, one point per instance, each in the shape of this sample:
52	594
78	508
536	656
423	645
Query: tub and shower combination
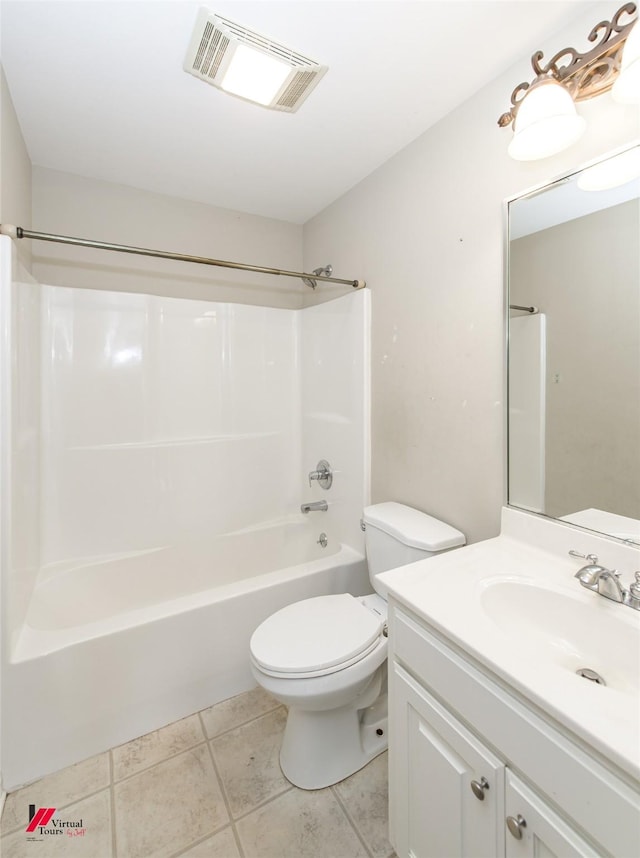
155	455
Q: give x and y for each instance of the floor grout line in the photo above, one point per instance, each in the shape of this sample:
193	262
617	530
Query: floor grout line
223	792
342	804
183	851
235	726
264	803
159	762
112	802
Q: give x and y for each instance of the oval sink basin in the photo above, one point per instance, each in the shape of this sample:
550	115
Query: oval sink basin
573	633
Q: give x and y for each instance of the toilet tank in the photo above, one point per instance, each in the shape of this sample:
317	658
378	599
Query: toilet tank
396	534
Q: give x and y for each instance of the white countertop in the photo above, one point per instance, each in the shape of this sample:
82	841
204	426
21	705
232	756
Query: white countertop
460	595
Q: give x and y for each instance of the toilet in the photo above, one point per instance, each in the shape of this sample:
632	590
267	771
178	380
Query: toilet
325	657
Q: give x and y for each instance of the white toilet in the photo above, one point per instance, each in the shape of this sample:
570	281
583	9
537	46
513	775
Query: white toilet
325	658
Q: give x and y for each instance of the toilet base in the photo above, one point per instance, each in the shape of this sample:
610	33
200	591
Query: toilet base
321	748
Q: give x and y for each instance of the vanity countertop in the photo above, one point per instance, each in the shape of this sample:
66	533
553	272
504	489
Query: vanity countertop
516	608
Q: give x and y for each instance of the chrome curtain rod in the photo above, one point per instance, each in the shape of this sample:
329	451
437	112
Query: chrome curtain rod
524	309
18	232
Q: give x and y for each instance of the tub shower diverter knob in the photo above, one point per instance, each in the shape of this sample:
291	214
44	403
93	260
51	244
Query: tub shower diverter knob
322	474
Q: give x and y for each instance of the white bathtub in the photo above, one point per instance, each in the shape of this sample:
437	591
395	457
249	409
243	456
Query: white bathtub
120	646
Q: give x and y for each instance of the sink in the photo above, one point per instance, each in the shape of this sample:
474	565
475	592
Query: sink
567	630
512	605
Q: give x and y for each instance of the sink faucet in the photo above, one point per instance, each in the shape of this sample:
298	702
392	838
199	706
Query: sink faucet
313	506
606	582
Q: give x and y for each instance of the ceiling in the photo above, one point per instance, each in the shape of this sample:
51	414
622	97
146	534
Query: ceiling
99	90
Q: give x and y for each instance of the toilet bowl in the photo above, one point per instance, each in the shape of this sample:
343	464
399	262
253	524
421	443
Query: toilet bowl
325	657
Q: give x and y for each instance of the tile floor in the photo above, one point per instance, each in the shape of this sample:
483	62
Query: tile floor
208	786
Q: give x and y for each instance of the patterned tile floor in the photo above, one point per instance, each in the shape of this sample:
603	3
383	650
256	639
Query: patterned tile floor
208	786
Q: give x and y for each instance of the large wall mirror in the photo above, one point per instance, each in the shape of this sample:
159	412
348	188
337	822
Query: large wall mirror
574	349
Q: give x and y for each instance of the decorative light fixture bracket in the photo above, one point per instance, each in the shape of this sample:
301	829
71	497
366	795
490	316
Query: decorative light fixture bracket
584	75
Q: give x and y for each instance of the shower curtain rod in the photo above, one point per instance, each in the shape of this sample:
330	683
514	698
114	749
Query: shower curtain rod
310	279
525	309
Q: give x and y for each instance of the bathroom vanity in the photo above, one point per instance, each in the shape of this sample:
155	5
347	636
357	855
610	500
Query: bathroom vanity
498	745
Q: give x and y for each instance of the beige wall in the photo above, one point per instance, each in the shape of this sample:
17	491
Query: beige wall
87	208
15	171
585	276
426	232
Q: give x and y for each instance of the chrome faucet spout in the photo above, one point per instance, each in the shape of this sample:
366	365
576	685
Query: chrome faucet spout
314	506
608	585
588	575
606	582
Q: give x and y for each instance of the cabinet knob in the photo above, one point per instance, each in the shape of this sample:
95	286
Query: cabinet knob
478	788
515	824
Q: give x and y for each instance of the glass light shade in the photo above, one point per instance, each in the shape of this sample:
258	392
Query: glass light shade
611	173
626	88
546	122
254	75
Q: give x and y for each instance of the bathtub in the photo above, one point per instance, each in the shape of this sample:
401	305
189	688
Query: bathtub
74	687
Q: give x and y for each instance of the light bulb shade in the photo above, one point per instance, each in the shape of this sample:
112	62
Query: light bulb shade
611	173
546	122
626	88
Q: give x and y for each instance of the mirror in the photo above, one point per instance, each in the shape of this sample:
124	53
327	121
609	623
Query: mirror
574	351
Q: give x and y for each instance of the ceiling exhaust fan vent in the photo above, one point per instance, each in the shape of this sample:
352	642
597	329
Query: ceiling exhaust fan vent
214	44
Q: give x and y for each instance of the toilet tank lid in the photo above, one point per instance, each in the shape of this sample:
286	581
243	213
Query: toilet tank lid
412	527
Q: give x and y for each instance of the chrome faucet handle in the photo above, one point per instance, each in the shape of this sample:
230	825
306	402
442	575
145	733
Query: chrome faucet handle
322	474
589	575
592	558
634	592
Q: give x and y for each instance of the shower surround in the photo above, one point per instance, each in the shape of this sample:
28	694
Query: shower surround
155	456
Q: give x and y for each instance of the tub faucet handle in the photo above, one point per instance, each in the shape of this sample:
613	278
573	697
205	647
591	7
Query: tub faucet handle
323	474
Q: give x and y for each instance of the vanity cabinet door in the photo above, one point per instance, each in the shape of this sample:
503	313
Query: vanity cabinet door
447	789
534	830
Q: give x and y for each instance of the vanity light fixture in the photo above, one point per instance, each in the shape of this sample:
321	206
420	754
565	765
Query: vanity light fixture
626	88
249	65
543	112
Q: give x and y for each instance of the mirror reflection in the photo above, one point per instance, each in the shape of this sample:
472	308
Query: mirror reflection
574	349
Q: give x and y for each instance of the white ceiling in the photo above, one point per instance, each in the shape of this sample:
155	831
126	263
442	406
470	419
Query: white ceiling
100	91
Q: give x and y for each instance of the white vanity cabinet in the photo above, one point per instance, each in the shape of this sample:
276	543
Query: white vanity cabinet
474	771
437	811
534	830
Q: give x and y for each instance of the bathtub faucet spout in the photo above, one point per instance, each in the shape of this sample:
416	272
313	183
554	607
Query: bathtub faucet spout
315	505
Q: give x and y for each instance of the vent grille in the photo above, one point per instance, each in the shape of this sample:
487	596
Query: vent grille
242	34
297	89
211	51
212	43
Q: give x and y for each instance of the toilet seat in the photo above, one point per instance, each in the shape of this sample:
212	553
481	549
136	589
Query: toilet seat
315	637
